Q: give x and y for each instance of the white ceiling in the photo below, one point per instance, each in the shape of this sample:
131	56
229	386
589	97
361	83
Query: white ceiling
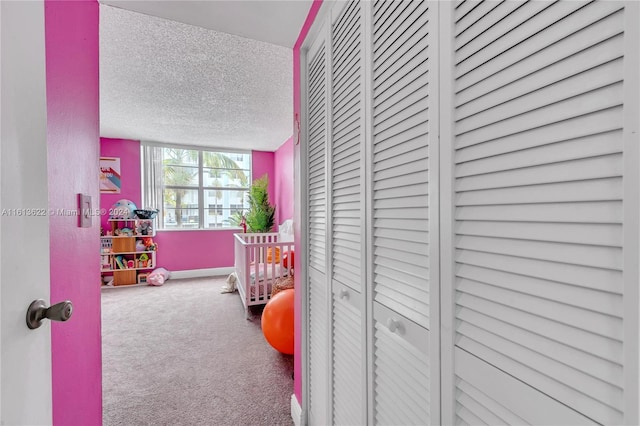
172	80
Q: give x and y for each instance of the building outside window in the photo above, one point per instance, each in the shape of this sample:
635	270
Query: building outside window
195	188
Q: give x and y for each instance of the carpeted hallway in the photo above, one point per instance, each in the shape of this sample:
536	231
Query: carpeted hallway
183	354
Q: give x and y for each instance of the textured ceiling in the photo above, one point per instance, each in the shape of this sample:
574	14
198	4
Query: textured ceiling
166	81
274	21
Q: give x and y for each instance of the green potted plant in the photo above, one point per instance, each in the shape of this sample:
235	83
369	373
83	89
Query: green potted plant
261	214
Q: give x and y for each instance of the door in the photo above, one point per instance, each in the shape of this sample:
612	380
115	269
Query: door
540	165
372	204
24	224
318	297
404	224
347	214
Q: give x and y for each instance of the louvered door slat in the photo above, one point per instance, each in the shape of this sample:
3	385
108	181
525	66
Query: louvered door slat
467	417
538	212
566	23
506	416
591	124
535	17
316	165
346	152
318	338
597	100
598	32
591	234
588	364
599	279
574	149
605	166
412	270
595	190
515	396
592	406
592	300
464	34
465	8
482	413
586	59
493	28
594	322
483	9
596	78
576	212
388	40
347	362
575	254
401	369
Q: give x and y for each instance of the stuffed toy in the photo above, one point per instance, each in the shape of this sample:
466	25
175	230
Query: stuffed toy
158	276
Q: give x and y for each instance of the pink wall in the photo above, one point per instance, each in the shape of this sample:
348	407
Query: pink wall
71	30
297	361
185	250
129	153
178	250
283	170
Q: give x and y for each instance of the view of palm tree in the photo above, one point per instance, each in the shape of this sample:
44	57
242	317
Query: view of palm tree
223	180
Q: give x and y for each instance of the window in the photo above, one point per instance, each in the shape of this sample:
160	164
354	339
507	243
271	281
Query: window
195	188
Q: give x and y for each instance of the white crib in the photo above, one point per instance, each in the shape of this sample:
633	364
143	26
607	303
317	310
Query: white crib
255	269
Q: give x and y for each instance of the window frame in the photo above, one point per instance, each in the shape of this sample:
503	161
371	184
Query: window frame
201	189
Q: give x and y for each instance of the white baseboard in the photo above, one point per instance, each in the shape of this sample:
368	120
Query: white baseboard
296	411
199	273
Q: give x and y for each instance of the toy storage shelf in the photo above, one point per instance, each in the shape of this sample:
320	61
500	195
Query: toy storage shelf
119	255
136	226
142	260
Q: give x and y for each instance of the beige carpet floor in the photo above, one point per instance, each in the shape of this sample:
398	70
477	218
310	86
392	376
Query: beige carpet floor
183	354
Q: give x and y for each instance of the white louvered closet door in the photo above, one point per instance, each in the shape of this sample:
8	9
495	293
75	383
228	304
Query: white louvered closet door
403	103
538	212
319	289
347	215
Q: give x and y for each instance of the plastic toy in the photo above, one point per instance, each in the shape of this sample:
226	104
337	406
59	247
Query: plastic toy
277	321
149	244
144	228
285	260
120	262
123	209
143	260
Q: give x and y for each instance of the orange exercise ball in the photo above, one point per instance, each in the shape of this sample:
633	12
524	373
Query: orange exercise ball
277	321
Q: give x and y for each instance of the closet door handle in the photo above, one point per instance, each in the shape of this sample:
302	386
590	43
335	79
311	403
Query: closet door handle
392	325
344	294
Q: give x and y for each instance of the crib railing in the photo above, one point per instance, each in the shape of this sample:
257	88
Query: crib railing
255	269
